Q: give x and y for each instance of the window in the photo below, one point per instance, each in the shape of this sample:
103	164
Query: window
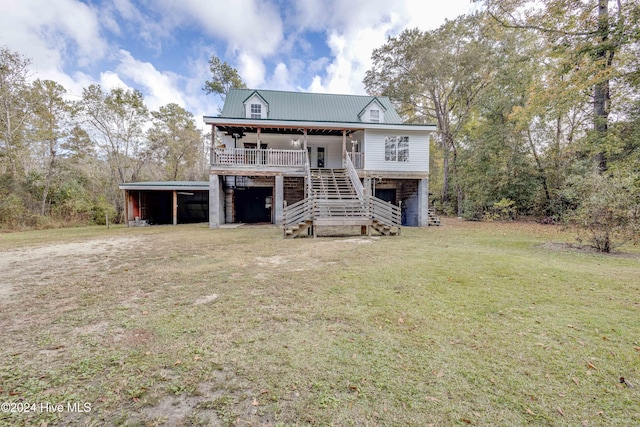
396	149
256	111
374	116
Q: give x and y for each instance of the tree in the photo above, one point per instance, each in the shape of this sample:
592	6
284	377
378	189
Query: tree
587	38
175	142
224	78
116	121
50	127
435	75
14	109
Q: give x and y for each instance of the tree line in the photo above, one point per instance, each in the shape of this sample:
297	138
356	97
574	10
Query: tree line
61	160
538	111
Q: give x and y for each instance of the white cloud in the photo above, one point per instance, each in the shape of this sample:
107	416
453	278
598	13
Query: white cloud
250	26
252	69
449	9
53	34
281	78
352	58
110	80
356	27
199	103
160	88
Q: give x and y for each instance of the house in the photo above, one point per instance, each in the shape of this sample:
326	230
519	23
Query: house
307	160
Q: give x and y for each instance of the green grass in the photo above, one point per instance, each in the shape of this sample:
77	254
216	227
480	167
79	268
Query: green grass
464	324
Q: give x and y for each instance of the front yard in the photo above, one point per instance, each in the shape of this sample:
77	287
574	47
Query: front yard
466	324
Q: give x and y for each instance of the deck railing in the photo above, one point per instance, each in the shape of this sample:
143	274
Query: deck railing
258	157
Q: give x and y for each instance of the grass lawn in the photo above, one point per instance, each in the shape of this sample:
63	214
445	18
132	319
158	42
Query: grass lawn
465	324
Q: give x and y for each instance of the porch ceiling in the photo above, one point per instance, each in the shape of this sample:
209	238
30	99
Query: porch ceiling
243	130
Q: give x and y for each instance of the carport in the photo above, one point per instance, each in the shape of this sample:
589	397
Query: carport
166	202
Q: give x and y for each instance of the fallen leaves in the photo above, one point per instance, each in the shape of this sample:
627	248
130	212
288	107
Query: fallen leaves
591	366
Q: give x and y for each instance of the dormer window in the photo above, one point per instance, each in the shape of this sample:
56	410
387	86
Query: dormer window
256	111
373	112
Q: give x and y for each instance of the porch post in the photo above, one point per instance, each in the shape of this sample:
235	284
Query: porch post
423	202
228	203
344	145
213	144
366	183
214	201
174	210
278	203
259	147
127	210
304	139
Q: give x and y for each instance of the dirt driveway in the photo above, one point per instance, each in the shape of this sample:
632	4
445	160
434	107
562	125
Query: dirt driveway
47	263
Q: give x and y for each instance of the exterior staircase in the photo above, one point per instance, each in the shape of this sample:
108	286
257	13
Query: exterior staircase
335	197
337	202
432	218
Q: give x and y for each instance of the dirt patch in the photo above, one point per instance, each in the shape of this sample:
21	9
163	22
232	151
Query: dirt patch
44	264
174	409
273	260
206	299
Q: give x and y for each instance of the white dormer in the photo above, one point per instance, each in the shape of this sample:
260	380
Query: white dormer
373	112
255	107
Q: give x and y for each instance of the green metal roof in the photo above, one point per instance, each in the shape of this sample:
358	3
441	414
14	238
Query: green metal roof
319	107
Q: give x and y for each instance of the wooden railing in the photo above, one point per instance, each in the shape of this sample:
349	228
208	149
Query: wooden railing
385	212
353	176
298	212
357	159
258	157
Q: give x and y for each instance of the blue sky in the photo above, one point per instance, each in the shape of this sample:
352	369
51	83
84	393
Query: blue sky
161	47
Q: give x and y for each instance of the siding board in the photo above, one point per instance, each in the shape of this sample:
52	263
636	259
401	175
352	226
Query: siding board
418	151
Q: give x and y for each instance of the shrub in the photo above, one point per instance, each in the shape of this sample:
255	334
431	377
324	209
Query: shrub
609	211
505	209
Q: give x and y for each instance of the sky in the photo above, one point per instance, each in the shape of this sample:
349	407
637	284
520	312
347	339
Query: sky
162	47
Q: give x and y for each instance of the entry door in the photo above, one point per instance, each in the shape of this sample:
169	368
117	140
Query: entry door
317	157
321	157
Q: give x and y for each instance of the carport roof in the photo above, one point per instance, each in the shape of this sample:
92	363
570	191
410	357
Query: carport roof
166	185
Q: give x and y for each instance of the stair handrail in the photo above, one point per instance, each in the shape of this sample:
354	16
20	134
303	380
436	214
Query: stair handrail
307	169
353	176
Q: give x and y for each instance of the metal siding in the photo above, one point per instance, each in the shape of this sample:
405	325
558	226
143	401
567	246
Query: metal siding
418	152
